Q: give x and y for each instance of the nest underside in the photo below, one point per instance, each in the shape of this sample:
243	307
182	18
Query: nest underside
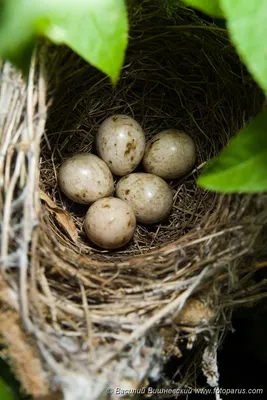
87	306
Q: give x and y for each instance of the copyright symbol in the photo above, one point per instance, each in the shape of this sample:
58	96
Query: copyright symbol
110	390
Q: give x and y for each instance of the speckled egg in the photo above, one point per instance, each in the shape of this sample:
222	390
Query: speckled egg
170	154
85	178
149	195
120	142
110	223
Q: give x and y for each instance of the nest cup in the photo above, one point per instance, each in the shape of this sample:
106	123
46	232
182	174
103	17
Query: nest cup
103	318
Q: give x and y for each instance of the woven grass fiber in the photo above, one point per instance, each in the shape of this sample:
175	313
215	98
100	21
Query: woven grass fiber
79	319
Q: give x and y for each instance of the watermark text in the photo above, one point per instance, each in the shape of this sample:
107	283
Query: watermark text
149	391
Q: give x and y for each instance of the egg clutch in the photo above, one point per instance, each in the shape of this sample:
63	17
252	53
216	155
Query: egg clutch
143	197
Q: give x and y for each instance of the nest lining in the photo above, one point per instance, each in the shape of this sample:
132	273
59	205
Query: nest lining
83	305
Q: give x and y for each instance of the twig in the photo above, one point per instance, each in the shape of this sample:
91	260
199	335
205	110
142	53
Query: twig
176	304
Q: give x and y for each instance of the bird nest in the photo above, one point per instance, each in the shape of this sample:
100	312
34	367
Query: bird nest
87	319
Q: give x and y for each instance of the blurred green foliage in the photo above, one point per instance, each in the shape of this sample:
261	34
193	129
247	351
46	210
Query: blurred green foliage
97	32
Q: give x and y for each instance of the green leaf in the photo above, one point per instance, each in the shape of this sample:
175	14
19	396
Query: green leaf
211	7
16	36
97	30
247	23
5	394
242	166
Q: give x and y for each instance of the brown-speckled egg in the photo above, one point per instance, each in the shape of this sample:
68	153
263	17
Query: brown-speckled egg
85	178
149	195
170	154
110	223
120	142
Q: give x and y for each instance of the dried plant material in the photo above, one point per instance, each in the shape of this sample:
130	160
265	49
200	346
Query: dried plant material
62	216
51	396
210	365
170	338
194	313
23	356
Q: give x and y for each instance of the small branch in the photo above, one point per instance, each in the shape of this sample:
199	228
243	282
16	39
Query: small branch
174	306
